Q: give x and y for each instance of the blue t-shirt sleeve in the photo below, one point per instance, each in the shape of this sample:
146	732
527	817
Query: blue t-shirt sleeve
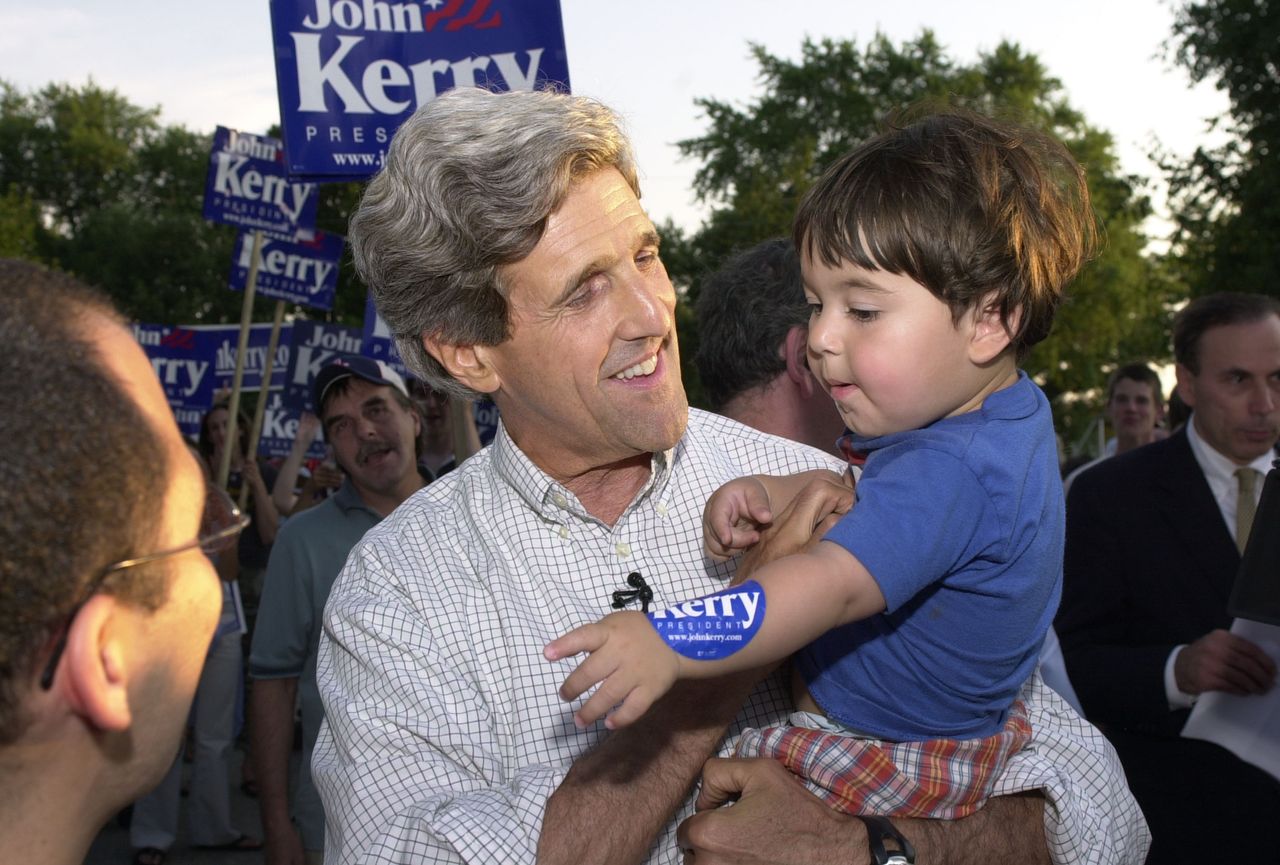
917	518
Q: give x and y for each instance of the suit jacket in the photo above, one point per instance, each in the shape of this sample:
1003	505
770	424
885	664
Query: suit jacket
1149	565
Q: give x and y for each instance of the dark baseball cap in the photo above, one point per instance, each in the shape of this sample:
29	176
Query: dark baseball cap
347	365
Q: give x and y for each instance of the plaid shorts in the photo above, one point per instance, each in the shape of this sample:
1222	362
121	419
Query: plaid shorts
939	778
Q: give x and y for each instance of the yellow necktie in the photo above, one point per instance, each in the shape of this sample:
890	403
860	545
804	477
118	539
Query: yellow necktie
1246	505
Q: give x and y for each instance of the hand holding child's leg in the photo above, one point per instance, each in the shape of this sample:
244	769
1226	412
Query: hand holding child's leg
733	517
627	657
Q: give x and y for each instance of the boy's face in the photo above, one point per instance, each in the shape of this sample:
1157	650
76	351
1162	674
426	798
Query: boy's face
887	351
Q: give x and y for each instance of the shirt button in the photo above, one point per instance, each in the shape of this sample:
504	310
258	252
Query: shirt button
564	531
560	500
624	550
661	509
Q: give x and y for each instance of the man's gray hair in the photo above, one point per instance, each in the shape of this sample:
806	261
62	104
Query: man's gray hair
470	181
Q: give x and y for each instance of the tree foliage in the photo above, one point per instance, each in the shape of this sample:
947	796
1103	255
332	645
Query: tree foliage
757	160
1225	204
94	185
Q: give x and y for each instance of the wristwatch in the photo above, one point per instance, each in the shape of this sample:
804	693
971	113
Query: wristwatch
879	829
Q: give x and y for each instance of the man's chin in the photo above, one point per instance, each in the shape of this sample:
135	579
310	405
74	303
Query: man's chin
667	430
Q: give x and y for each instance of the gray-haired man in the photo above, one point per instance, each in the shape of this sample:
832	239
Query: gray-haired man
507	249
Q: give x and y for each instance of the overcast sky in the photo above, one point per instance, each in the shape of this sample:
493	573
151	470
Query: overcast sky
209	64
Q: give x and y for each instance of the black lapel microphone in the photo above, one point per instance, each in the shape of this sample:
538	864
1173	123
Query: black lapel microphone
639	591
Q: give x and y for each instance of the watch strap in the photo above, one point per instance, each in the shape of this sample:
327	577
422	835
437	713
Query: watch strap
879	829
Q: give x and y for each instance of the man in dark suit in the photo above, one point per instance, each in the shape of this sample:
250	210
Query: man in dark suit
1153	545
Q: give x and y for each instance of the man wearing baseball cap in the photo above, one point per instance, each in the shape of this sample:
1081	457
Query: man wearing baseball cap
371	423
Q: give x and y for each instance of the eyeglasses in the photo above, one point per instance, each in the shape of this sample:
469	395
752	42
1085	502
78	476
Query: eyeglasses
220	525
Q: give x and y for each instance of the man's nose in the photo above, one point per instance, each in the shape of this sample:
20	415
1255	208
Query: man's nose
650	305
1262	400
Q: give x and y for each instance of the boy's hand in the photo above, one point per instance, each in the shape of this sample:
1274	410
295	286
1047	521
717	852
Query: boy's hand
802	523
733	517
630	661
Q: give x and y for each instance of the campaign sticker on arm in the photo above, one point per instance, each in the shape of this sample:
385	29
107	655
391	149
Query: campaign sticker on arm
706	629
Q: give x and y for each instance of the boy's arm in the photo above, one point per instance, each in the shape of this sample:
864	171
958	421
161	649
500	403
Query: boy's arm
797	599
783	489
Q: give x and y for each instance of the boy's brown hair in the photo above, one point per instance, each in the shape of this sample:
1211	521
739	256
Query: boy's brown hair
976	210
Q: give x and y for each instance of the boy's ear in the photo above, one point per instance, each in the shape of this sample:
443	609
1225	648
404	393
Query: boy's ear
95	666
992	333
469	364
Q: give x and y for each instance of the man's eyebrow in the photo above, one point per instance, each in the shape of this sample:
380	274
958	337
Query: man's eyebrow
646	238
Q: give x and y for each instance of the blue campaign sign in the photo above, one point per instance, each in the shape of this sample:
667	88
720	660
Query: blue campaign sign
280	428
247	186
194	362
315	343
303	272
220	341
349	72
184	369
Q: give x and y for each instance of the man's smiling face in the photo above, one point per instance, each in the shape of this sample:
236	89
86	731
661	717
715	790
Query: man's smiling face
591	372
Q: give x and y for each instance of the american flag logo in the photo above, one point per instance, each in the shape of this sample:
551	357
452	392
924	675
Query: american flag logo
455	17
179	338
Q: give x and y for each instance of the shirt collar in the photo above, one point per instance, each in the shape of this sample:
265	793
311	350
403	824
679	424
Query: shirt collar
347	498
551	499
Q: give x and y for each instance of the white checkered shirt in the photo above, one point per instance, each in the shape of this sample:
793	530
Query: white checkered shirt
444	735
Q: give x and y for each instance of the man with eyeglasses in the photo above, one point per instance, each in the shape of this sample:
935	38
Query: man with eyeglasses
107	598
372	425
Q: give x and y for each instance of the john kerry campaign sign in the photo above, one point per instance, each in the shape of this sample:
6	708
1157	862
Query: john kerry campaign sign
349	72
303	272
247	186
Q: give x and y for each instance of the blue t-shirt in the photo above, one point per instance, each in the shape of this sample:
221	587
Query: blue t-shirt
961	524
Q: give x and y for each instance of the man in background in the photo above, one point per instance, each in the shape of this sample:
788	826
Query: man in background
1153	545
373	427
1135	409
753	329
107	600
448	429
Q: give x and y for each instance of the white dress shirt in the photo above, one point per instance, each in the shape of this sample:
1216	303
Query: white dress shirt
444	735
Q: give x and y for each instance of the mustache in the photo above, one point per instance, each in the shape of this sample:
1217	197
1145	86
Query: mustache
371	448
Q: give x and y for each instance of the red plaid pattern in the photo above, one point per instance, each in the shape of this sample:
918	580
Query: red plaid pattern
940	778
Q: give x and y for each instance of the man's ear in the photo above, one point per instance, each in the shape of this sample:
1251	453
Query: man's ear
469	364
795	352
991	333
95	665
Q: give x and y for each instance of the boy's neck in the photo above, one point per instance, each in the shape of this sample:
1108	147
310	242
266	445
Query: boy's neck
1004	374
